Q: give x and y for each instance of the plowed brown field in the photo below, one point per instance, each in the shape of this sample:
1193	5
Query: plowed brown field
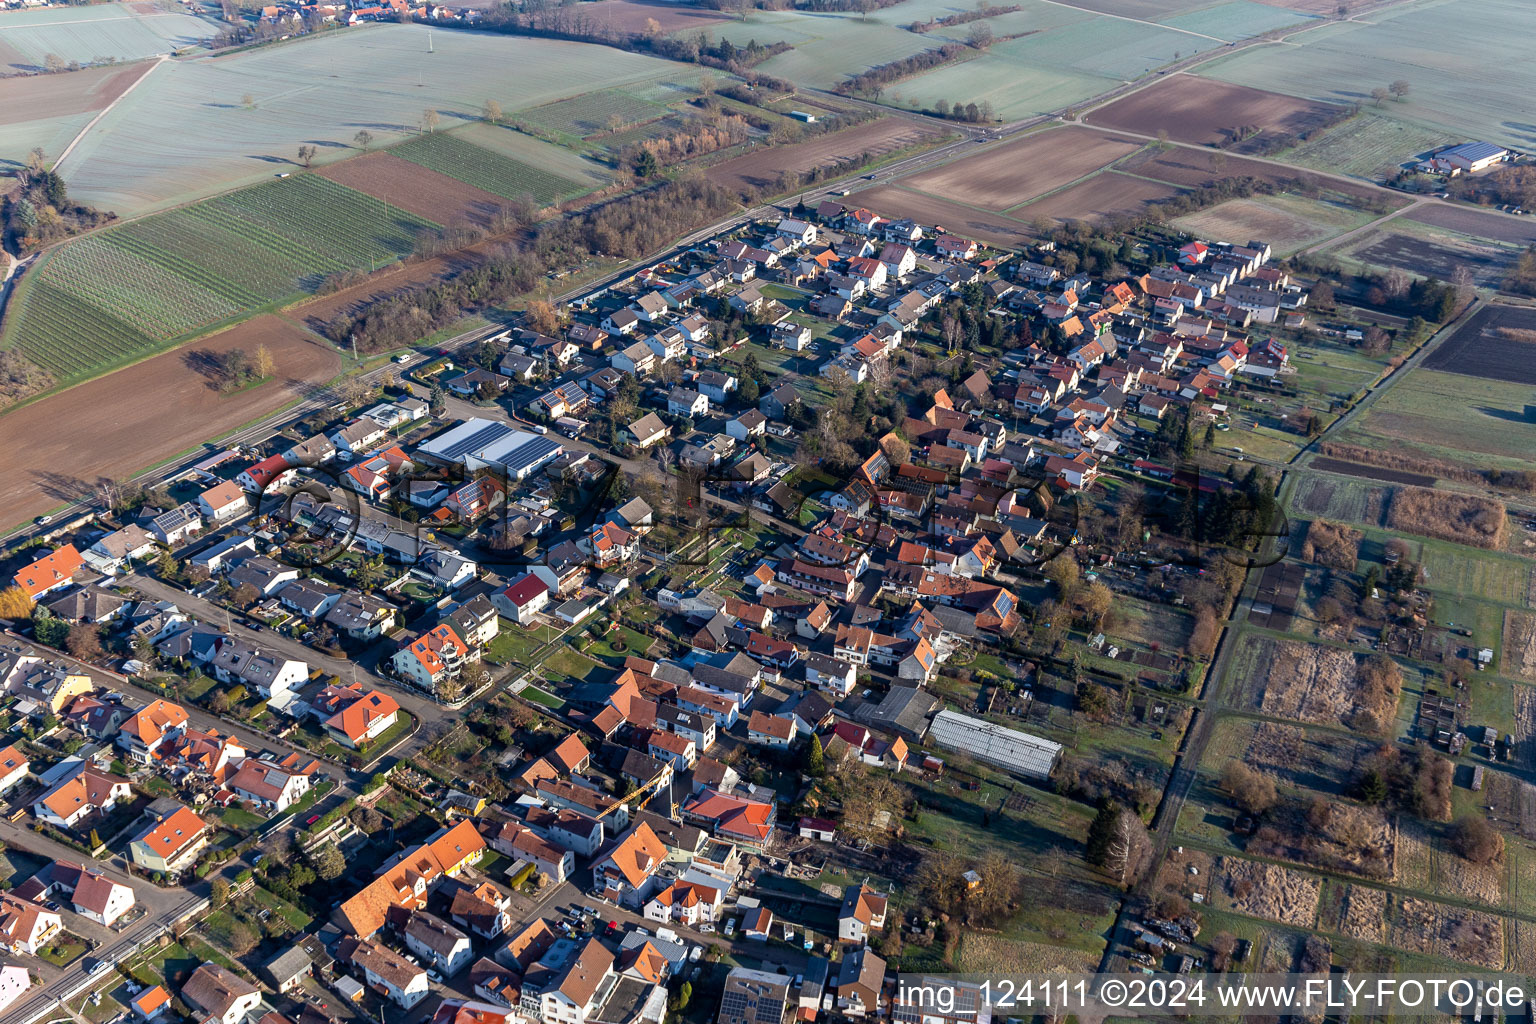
119	424
416	189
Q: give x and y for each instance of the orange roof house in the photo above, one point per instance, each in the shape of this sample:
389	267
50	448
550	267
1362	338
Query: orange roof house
50	572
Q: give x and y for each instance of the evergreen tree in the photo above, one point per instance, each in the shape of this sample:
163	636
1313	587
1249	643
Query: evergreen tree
1373	788
1210	435
1101	833
815	757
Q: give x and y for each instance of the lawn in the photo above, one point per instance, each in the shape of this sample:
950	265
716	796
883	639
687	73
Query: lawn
569	665
239	818
635	644
63	950
540	696
1470	420
514	644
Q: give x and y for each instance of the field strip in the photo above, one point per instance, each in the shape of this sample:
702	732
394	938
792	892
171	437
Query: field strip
1074	183
1349	235
108	108
1139	21
968	206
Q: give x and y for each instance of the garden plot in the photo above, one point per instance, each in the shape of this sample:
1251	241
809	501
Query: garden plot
1364	914
1312	683
1471	936
1268	891
1519	644
987	953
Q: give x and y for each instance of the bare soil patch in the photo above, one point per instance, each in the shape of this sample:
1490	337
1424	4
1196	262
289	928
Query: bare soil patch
1449	515
632	15
1520	644
118	424
893	201
762	168
1019	171
416	189
1396	476
37	97
1488	262
1467	221
1200	111
1472	936
1268	891
1365	913
1482	348
1199	168
1103	195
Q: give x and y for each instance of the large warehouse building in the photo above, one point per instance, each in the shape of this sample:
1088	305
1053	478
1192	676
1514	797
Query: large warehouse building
479	443
1009	749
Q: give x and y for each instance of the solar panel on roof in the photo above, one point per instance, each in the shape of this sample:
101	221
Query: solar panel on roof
530	452
486	435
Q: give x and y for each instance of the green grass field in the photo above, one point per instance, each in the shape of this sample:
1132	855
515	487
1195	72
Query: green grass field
586	115
484	169
1463	59
1369	146
107	299
1452	416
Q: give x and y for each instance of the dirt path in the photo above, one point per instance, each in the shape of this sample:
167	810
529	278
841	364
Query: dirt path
107	110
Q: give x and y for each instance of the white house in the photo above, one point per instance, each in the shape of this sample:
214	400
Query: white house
439	943
403	982
221	994
687	402
522	599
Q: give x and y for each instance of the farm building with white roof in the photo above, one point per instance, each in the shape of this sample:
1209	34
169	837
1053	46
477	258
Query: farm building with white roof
1006	748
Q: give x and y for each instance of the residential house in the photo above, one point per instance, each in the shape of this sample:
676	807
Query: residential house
686	402
26	927
222	501
626	872
437	942
861	984
82	792
143	733
220	995
647	431
400	981
273	786
434	658
51	572
861	915
170	844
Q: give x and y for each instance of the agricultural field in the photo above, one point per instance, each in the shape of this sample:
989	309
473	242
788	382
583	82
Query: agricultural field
1237	19
1006	176
1498	343
186	131
111	297
1286	222
29	98
526	149
1103	195
592	113
126	31
415	189
1370	146
1339	498
895	201
635	15
1462	81
172	402
1471	420
1198	111
485	170
878	138
1498	227
1424	250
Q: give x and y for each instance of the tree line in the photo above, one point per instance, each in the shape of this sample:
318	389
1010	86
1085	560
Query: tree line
873	81
961	18
629	225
